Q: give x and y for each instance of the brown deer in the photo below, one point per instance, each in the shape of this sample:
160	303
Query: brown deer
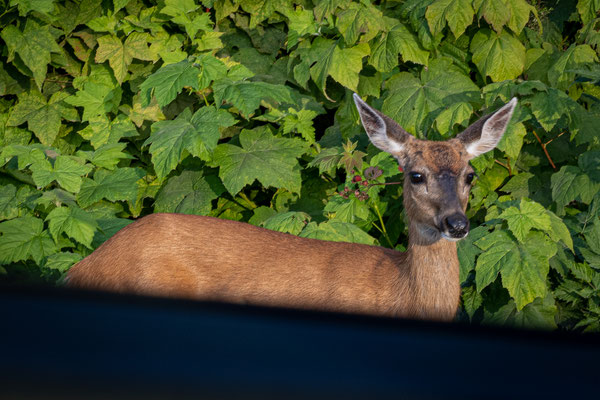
212	259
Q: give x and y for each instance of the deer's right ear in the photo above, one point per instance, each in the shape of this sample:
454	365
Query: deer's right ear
384	132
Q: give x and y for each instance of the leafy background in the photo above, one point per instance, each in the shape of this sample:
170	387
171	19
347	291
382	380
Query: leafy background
242	109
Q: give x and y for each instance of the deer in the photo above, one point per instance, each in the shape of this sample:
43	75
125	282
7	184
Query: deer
210	259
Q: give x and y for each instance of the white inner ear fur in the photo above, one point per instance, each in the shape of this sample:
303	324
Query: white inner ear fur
492	130
376	127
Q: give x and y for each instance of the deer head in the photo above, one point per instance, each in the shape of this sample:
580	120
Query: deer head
438	176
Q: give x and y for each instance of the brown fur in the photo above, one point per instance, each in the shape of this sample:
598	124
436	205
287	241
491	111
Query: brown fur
212	259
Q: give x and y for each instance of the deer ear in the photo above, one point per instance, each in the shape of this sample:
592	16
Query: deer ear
384	132
484	134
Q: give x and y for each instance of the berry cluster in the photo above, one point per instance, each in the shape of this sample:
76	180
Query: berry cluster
360	184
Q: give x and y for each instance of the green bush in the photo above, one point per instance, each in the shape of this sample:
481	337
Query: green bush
242	109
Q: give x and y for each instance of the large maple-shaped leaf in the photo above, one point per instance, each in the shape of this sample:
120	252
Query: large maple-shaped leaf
101	130
414	102
43	116
560	75
247	95
76	223
571	183
119	184
34	45
107	156
260	10
457	14
331	59
182	13
337	231
529	215
168	81
23	238
96	99
500	56
271	160
398	41
198	134
301	23
359	18
289	222
8	202
64	170
120	55
523	266
495	12
189	193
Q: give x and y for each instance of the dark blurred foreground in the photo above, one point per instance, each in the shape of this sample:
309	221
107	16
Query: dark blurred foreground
66	345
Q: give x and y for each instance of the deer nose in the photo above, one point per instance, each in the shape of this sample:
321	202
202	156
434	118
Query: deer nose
457	225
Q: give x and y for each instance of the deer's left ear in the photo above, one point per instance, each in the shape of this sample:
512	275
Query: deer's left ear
484	134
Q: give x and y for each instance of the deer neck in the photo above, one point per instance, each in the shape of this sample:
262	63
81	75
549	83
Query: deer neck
434	269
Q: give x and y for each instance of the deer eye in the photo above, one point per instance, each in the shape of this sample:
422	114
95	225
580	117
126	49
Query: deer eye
470	178
416	178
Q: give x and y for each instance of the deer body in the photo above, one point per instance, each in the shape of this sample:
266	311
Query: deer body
212	259
270	268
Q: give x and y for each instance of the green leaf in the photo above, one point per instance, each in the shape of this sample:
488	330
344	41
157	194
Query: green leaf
62	261
529	215
524	267
101	130
119	184
182	13
337	231
189	193
289	222
458	14
120	55
301	23
588	9
8	205
495	12
413	102
559	230
96	100
76	223
457	113
247	96
64	170
398	41
347	210
301	122
471	299
498	55
359	18
271	160
33	45
570	183
197	134
166	83
23	238
43	117
575	57
519	14
26	6
107	156
512	140
211	68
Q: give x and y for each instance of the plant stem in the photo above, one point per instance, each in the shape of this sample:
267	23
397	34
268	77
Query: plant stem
382	230
544	148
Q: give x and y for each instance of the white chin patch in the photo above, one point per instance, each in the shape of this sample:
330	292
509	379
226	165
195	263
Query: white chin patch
453	239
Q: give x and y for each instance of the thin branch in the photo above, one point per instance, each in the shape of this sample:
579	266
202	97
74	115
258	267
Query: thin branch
545	151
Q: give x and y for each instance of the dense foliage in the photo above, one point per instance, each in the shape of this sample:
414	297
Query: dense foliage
242	109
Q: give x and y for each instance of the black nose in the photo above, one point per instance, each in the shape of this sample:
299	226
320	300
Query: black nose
457	225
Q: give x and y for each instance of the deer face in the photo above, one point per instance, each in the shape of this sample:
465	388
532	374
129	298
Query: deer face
438	176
